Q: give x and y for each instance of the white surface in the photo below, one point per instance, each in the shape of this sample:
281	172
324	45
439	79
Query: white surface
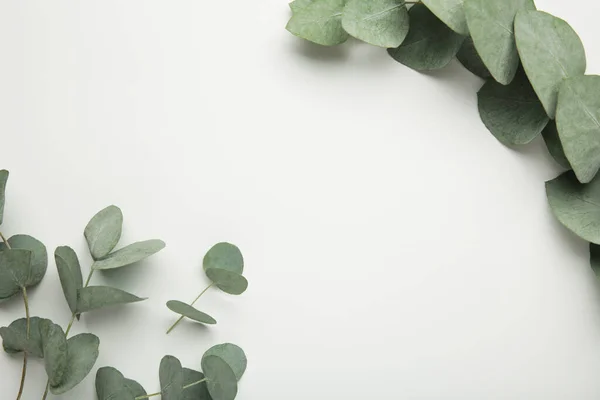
394	249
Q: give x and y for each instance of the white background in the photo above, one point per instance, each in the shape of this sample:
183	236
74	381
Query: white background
395	250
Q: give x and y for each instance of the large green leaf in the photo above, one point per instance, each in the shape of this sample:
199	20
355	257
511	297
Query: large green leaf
111	385
221	381
491	24
3	179
450	12
15	340
550	51
470	59
82	353
578	123
595	258
512	113
69	272
550	135
15	268
104	231
196	392
188	311
381	23
171	378
95	297
233	355
224	256
298	5
320	22
135	388
430	44
576	205
54	343
39	256
130	254
227	281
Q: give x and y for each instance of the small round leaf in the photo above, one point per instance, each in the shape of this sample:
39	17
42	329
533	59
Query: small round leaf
111	385
15	340
227	281
82	353
39	256
130	254
381	23
171	378
54	343
104	231
233	355
319	22
196	392
221	381
188	311
224	256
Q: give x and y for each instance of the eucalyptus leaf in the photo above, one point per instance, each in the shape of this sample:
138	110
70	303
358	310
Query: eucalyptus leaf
298	5
224	256
104	231
576	205
111	385
381	23
188	311
135	388
491	24
470	59
550	51
595	258
227	281
39	256
550	135
95	297
577	120
512	113
171	378
451	12
15	268
430	44
82	353
130	254
233	355
3	179
320	22
54	343
69	272
221	383
196	392
14	337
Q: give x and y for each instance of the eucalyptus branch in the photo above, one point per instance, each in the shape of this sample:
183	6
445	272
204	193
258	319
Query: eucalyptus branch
189	385
192	303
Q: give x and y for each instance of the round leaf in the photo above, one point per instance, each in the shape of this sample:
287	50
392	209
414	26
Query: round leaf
578	123
469	58
135	388
222	383
381	23
3	179
430	44
512	113
39	256
233	355
104	231
577	206
320	22
188	311
550	51
298	5
451	12
95	297
227	281
69	272
224	256
111	385
130	254
491	24
196	392
550	135
54	343
14	337
82	353
171	378
15	267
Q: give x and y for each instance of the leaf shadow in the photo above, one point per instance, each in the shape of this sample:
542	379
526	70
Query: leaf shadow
316	52
130	276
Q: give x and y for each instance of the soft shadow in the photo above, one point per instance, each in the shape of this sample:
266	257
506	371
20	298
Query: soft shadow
333	54
188	325
126	276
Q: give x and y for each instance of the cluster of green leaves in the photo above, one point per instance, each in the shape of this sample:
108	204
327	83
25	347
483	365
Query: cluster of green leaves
223	366
533	64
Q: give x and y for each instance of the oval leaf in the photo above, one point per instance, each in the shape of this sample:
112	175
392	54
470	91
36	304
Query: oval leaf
298	5
130	254
512	113
577	206
227	281
224	256
188	311
319	22
171	378
222	383
233	355
450	12
15	268
95	297
381	23
195	392
578	123
550	51
111	385
69	272
3	179
14	337
491	24
54	343
82	355
104	231
39	256
135	388
469	58
430	44
550	135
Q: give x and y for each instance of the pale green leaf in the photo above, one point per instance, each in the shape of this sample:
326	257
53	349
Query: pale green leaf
233	355
104	231
196	392
111	385
227	281
82	353
15	268
319	22
54	343
224	256
95	297
190	312
550	135
469	58
381	23
221	383
135	388
450	12
69	272
298	5
3	179
14	337
171	378
130	254
39	256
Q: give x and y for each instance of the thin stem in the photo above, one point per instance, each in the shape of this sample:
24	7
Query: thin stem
193	302
23	375
189	385
46	391
87	282
28	323
5	241
148	395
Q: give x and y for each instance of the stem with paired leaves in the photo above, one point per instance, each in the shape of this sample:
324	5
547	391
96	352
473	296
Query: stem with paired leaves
193	302
189	385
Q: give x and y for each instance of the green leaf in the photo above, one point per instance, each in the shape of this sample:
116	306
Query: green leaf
222	383
39	256
381	23
451	13
320	22
54	343
95	297
491	24
69	272
298	5
233	355
469	58
550	51
577	206
227	281
578	123
224	256
171	378
104	231
111	385
595	258
512	113
3	179
15	268
82	353
196	392
130	254
550	135
429	45
135	388
188	311
14	337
